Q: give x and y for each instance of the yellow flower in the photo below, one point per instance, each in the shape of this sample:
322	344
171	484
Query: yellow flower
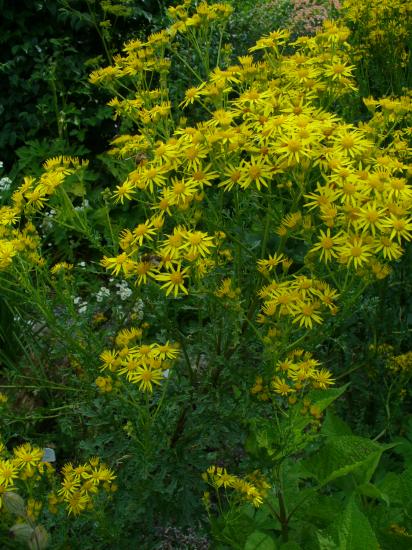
143	231
8	473
306	314
355	251
26	455
399	228
145	376
110	359
117	264
77	502
327	245
323	379
174	280
166	351
256	172
143	270
181	191
124	191
389	249
61	266
281	387
191	94
198	242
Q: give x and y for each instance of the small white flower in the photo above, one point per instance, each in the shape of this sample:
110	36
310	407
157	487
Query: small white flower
5	184
124	291
102	294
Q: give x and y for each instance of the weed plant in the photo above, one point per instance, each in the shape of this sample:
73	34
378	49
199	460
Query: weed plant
206	344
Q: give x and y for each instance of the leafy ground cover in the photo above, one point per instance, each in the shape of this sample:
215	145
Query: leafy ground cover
205	329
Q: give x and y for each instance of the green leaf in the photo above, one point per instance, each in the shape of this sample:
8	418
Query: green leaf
22	531
333	425
342	455
321	399
372	491
260	541
354	531
326	542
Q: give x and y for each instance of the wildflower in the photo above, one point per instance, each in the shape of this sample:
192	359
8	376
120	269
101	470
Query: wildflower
166	351
142	232
173	281
323	379
69	485
281	387
197	242
61	266
399	228
191	94
356	251
117	264
25	455
109	359
145	376
104	383
180	192
8	473
306	314
389	249
233	174
124	191
256	172
77	502
371	218
327	245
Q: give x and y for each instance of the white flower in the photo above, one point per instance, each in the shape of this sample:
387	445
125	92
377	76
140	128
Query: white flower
5	183
124	291
102	294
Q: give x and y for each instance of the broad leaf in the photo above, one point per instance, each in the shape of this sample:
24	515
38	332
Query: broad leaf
260	541
342	455
354	531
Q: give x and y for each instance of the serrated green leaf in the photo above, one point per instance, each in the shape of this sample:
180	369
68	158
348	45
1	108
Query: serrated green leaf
372	491
342	455
354	531
260	541
333	425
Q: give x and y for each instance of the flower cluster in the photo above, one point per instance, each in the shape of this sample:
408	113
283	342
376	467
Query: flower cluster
401	363
308	15
27	200
300	298
268	131
27	468
80	484
252	489
143	364
381	26
294	376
